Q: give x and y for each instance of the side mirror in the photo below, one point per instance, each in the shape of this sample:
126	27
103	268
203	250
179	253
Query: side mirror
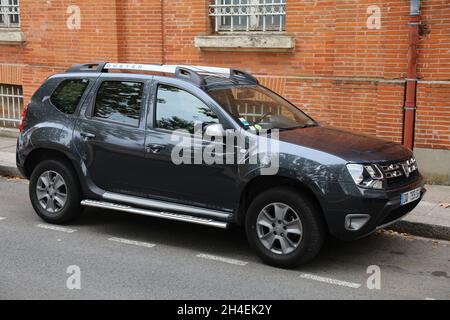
215	130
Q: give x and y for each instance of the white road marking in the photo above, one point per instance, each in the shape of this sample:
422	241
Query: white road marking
430	299
222	259
330	280
132	242
55	228
2	218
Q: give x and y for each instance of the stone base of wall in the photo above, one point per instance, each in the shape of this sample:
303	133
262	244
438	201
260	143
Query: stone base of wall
434	164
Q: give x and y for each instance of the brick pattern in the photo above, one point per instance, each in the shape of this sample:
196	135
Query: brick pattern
11	74
340	72
433	116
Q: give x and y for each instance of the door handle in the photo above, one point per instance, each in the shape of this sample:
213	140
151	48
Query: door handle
155	148
87	135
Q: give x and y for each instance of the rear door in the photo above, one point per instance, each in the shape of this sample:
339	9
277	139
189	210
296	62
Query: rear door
110	133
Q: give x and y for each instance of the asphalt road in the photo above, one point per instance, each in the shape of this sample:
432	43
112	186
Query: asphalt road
122	256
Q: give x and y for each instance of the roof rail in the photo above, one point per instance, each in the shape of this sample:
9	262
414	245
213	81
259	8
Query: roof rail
165	68
192	73
88	67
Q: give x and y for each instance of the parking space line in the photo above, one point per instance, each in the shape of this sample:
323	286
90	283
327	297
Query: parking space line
330	280
133	242
55	228
222	259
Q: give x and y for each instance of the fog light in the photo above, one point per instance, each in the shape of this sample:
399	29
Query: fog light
354	222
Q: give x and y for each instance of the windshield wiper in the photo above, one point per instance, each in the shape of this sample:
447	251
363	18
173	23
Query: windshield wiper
299	127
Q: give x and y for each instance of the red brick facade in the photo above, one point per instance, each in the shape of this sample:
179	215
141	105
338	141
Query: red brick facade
340	72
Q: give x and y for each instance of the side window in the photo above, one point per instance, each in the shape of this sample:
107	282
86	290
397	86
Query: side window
67	95
178	109
119	101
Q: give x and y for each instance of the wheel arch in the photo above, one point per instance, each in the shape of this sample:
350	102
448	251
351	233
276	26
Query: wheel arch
260	184
40	154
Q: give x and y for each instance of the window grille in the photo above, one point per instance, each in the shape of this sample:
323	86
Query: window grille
9	14
11	105
248	15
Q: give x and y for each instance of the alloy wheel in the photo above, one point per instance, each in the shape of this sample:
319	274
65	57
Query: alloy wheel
279	228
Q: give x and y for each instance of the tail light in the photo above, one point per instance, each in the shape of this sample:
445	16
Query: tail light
24	114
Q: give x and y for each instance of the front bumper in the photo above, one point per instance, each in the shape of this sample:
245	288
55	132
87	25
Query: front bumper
381	206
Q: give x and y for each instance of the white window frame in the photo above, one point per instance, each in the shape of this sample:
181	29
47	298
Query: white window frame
8	9
11	104
251	15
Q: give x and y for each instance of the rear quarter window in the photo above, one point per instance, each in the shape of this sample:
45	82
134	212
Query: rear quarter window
68	94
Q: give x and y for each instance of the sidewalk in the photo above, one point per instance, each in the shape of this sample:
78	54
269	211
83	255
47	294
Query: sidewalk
429	219
8	157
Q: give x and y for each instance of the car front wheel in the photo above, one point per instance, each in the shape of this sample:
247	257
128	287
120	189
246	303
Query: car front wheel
284	227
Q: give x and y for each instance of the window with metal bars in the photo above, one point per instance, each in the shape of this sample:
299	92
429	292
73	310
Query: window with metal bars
11	105
248	15
9	14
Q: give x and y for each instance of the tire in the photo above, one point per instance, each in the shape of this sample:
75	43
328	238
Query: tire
66	208
302	241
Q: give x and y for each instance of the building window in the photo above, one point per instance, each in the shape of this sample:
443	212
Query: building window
9	14
248	15
11	105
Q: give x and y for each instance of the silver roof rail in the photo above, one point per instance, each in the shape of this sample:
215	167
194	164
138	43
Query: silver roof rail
195	74
165	68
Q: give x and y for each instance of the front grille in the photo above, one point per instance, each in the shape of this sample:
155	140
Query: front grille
399	173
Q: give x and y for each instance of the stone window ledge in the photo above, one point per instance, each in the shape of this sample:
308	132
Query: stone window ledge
12	36
246	42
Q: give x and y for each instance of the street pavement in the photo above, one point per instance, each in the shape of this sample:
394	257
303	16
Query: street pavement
122	256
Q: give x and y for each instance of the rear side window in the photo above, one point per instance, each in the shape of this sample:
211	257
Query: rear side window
68	94
119	101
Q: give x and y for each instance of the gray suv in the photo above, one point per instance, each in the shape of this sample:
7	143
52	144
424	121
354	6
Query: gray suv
105	135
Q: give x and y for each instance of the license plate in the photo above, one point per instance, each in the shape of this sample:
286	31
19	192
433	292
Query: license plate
409	196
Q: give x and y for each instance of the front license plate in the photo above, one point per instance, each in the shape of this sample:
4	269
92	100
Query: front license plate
409	196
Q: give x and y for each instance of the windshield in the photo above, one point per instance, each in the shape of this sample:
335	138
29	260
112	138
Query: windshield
259	108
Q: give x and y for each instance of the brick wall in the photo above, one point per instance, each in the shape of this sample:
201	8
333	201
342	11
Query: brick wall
340	72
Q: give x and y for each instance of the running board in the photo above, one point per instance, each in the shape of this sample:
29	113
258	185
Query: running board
156	214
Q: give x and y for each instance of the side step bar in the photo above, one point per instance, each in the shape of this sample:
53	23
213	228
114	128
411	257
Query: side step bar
156	214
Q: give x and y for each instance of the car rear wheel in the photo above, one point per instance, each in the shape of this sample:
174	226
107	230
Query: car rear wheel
284	227
55	192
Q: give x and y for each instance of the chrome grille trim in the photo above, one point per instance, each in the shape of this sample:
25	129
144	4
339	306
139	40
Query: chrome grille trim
399	171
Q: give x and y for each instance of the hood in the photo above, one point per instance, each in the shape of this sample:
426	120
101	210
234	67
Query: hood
346	145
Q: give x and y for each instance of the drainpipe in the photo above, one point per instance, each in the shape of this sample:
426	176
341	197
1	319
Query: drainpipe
411	78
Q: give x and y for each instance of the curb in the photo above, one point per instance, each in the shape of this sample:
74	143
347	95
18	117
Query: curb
9	133
421	229
9	171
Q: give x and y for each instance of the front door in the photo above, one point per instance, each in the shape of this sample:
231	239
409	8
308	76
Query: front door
197	183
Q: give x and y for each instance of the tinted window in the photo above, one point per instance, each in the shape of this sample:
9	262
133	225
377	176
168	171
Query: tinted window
119	101
68	94
178	109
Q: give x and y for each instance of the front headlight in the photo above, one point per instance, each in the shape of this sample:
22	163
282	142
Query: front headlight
368	176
